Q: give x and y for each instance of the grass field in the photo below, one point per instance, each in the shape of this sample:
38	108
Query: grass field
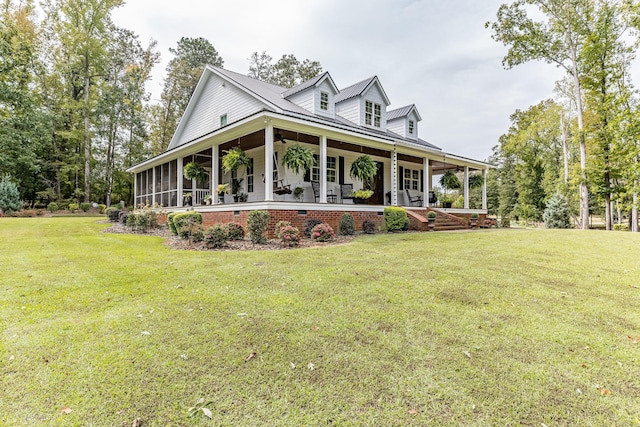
489	328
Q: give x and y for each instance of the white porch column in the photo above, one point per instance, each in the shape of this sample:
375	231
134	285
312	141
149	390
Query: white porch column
466	187
425	182
484	189
268	162
323	169
180	181
394	177
215	179
153	197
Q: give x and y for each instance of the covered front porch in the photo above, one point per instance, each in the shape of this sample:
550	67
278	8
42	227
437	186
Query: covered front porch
405	172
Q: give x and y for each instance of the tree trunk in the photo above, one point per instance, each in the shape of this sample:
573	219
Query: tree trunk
608	215
565	149
87	140
634	214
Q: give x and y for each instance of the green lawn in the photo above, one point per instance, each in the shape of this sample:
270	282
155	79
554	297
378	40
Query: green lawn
490	328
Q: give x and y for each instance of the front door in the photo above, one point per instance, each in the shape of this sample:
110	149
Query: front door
378	186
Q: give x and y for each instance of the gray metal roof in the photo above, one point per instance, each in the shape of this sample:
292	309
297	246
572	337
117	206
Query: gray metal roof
399	112
353	90
304	85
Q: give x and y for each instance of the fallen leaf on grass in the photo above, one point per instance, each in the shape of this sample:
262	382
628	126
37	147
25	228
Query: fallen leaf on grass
311	366
293	365
604	391
249	357
634	340
466	353
315	328
584	365
145	333
137	423
413	411
66	410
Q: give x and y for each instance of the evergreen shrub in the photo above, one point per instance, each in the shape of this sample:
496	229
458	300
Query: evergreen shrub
368	227
280	225
52	207
171	224
9	196
395	218
216	236
186	222
347	224
289	236
113	214
557	214
235	231
85	206
73	207
257	223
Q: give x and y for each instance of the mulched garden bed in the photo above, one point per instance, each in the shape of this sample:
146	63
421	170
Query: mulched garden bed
175	242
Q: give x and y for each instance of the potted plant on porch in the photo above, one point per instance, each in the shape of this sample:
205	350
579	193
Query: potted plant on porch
449	181
232	161
221	190
473	220
431	218
363	169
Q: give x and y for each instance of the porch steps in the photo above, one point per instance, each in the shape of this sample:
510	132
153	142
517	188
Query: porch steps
444	221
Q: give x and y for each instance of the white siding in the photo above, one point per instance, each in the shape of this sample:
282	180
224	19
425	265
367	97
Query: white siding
304	99
373	94
398	126
350	110
214	101
325	87
414	117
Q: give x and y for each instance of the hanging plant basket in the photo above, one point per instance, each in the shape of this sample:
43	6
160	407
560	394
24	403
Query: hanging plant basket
234	159
196	171
363	169
298	159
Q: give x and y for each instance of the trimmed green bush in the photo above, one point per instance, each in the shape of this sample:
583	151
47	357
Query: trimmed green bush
395	218
185	223
139	221
433	215
235	231
171	224
52	207
9	196
621	227
73	207
257	223
368	227
85	206
347	224
216	236
101	208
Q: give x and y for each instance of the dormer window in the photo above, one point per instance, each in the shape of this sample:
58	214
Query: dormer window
223	120
411	127
372	114
324	101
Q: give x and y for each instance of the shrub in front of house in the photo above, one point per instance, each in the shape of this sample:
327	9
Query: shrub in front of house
113	214
280	225
171	224
347	224
101	208
322	233
85	206
216	236
73	207
308	225
395	218
235	231
122	217
368	227
257	223
289	236
53	207
186	222
139	221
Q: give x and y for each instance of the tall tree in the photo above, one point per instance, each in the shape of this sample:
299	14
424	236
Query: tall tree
183	73
557	39
288	71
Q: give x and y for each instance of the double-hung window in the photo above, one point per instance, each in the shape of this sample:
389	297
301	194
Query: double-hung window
331	169
223	120
411	127
324	101
372	114
411	179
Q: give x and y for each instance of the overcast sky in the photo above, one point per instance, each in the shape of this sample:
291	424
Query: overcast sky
432	53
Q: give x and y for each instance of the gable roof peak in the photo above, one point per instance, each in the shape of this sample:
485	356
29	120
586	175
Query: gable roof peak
357	89
314	81
403	112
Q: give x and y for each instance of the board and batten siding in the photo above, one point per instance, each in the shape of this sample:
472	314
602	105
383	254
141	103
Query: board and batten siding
214	101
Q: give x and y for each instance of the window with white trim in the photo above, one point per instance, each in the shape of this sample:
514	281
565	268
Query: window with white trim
411	179
223	120
324	101
372	114
411	127
331	169
250	176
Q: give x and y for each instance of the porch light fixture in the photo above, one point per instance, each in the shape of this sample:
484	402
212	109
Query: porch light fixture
278	136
